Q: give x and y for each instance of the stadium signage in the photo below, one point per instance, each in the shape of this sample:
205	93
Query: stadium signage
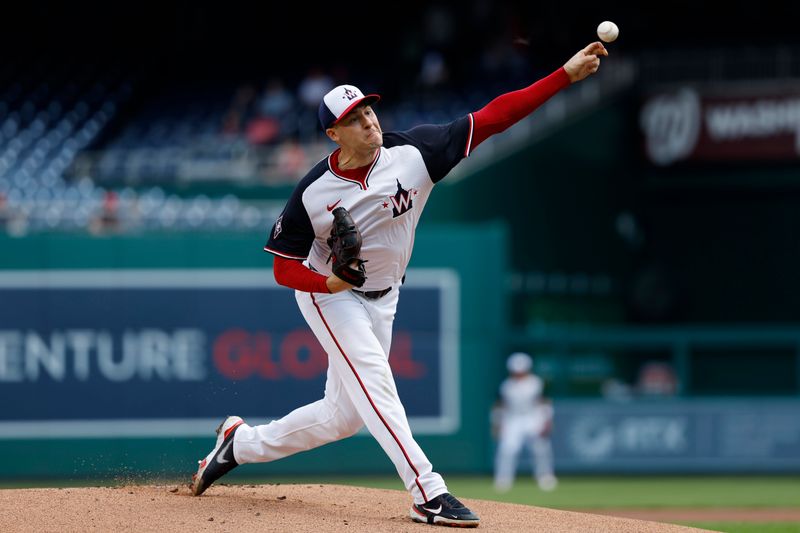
168	352
673	435
691	124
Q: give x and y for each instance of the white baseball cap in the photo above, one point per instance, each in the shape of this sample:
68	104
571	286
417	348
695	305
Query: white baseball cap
519	363
340	101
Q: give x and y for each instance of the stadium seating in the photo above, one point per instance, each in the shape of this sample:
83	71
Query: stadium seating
85	149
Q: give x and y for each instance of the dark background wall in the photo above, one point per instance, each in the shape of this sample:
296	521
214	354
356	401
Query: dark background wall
188	39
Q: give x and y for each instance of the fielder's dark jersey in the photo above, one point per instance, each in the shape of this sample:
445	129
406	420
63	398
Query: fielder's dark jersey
385	205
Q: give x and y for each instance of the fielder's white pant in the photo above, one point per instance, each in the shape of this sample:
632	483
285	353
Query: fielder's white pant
514	434
356	332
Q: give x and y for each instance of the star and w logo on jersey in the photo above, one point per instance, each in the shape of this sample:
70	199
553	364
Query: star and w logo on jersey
401	201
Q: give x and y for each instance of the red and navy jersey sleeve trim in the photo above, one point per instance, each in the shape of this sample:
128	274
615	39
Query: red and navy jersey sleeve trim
284	254
442	146
468	149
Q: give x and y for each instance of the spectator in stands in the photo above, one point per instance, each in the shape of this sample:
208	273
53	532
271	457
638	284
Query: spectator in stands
275	100
13	221
107	221
5	211
313	87
273	108
263	130
292	160
434	71
240	109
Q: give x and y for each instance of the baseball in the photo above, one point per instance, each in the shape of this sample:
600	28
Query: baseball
607	31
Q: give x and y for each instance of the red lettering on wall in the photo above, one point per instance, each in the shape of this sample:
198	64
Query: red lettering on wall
266	367
238	354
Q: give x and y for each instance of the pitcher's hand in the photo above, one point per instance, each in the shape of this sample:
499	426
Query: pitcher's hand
585	62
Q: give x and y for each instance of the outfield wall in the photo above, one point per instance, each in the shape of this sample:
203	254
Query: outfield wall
722	435
120	355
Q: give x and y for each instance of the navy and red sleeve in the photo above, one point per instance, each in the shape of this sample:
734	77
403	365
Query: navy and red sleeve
508	109
293	234
442	146
290	240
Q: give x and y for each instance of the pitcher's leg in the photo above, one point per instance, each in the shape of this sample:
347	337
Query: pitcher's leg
330	419
344	328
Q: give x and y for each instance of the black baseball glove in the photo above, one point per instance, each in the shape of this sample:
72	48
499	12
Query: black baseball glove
345	242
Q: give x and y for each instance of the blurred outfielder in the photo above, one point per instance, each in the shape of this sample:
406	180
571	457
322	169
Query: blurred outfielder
343	242
522	417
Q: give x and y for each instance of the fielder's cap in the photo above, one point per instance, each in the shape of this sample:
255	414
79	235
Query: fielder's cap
519	363
340	101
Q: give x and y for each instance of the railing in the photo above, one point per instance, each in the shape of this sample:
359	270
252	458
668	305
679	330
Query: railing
681	342
237	163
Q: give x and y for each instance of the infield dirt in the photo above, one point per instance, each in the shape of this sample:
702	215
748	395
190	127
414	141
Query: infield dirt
264	508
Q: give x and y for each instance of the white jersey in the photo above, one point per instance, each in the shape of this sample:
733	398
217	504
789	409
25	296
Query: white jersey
522	398
386	205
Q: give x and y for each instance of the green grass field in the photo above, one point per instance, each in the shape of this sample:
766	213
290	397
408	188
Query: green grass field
591	492
582	492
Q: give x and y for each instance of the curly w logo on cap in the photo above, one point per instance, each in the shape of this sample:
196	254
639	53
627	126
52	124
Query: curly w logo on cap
340	101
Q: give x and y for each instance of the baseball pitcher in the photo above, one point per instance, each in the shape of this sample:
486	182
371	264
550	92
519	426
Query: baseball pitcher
343	242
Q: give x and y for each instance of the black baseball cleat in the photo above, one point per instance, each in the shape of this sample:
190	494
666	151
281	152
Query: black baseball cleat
444	510
220	461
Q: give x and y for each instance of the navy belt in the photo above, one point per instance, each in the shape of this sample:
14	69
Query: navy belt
373	295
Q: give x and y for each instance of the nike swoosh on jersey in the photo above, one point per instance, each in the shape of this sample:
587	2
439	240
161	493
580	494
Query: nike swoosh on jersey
330	207
221	456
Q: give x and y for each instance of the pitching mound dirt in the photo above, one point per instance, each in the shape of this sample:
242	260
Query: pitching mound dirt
261	508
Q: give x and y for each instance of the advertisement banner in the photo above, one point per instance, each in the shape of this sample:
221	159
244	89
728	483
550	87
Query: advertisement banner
725	435
759	123
104	353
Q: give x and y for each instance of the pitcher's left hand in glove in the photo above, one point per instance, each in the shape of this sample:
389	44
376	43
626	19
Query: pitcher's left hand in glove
345	242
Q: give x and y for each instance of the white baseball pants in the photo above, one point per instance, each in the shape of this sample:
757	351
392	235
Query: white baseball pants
514	435
356	332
